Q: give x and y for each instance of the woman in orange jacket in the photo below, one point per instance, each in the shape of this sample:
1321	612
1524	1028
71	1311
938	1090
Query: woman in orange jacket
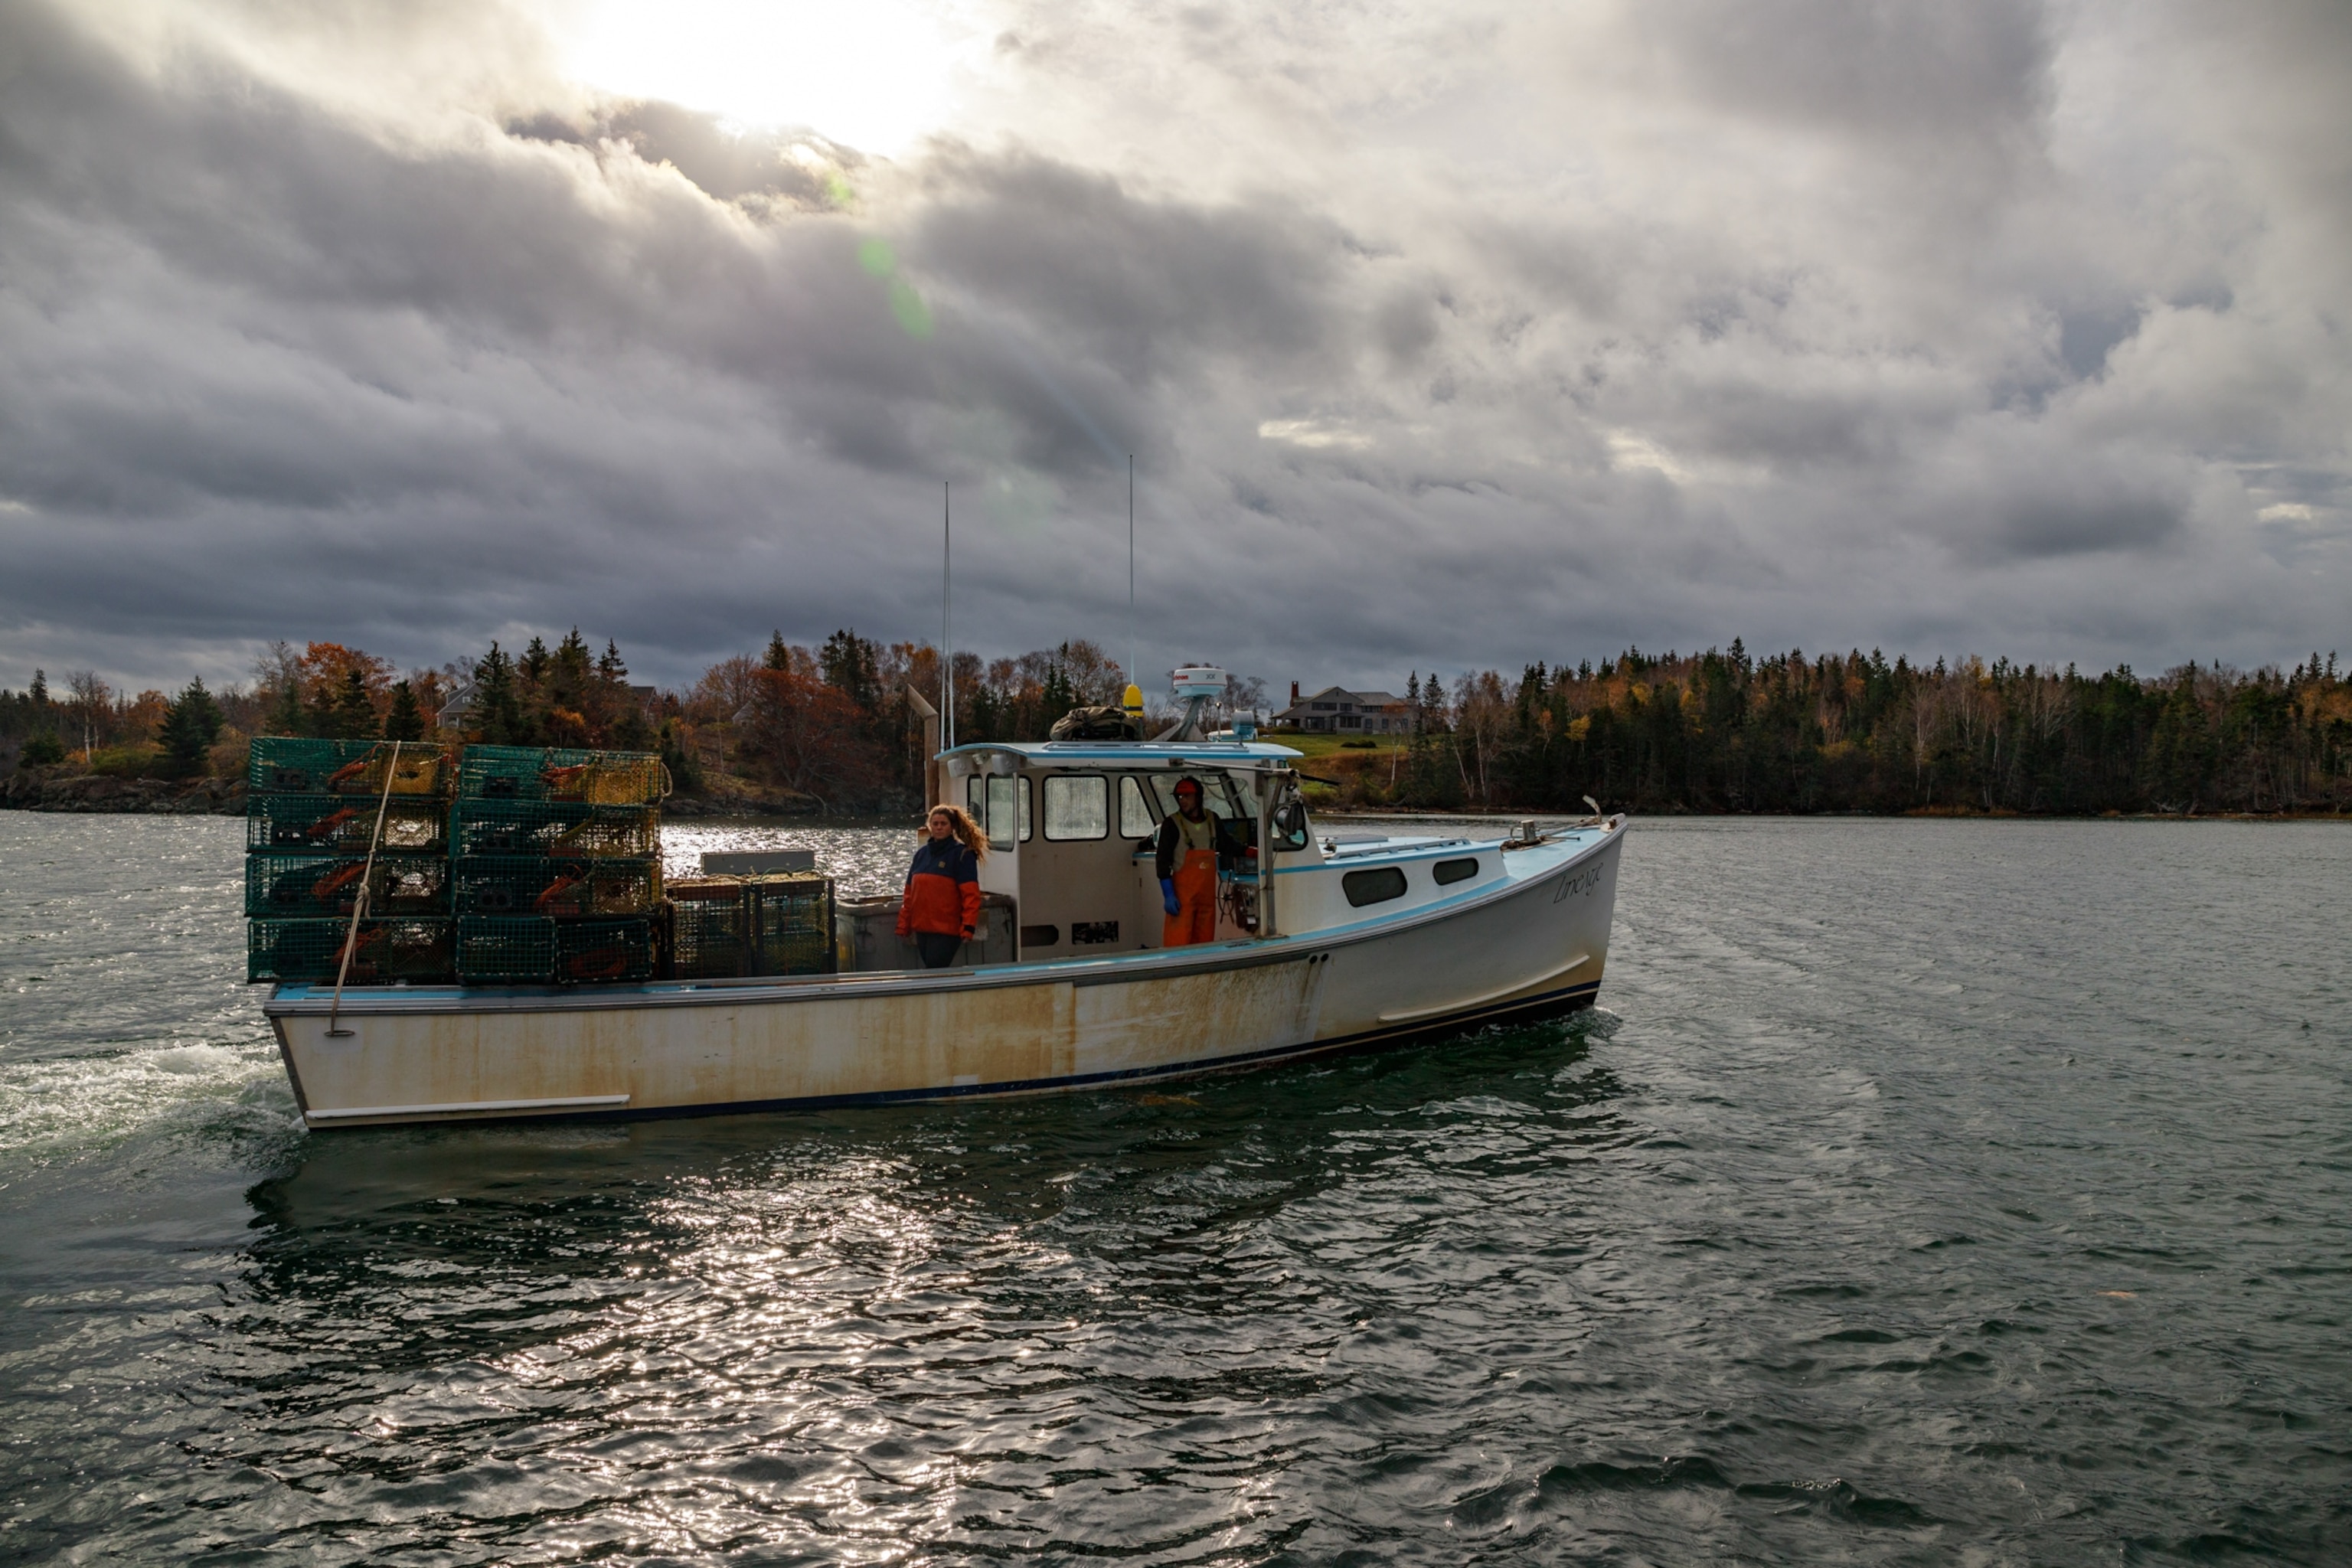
941	907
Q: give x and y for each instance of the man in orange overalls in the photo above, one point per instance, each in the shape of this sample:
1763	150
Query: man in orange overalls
1188	869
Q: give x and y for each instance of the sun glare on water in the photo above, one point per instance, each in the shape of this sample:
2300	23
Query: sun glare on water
869	74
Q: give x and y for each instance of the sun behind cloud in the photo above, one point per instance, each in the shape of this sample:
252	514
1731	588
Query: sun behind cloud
874	74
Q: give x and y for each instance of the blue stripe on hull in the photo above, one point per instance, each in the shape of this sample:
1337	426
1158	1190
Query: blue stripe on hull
1551	1003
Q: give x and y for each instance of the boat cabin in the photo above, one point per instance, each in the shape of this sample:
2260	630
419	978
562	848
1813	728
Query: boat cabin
1072	827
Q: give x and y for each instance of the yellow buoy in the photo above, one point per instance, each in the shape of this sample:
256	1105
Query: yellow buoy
1133	701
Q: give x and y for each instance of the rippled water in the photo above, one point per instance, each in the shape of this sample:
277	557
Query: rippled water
1922	1193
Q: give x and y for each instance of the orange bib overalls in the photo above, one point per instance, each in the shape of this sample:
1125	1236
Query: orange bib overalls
1196	888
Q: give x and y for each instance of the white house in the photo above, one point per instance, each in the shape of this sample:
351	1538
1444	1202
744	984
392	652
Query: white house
1335	709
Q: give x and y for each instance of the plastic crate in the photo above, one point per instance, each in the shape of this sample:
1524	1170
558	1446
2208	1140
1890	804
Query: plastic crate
706	930
604	951
556	829
311	951
342	824
789	923
535	885
505	950
293	886
281	765
552	774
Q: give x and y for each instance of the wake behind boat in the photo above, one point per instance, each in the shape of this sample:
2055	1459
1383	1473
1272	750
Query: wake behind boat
1321	943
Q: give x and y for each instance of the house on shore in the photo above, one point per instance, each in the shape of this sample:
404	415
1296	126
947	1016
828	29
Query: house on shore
1335	709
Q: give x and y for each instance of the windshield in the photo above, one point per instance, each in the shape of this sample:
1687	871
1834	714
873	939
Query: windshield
1218	795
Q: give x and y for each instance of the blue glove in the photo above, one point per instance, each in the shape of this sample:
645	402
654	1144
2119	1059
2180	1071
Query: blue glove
1168	896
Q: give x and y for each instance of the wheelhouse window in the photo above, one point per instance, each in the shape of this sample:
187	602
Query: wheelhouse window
1077	806
1216	791
1000	807
1373	887
1134	817
1447	871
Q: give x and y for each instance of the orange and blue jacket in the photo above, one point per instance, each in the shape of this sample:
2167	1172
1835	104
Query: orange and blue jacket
942	892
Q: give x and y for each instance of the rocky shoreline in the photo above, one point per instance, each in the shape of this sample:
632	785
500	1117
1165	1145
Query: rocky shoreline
55	789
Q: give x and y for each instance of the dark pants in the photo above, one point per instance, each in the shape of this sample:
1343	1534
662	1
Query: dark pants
938	948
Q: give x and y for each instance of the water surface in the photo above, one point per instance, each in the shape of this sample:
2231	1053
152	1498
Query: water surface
1923	1191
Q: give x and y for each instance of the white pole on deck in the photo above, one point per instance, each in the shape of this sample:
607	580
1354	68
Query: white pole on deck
946	648
1134	637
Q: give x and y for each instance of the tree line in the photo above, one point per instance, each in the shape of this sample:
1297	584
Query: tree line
1728	732
839	725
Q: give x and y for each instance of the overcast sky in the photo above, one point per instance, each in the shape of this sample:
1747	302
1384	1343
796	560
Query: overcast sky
1445	335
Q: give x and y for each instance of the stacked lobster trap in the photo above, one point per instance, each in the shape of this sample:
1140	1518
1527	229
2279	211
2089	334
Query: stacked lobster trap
770	923
497	866
314	811
555	865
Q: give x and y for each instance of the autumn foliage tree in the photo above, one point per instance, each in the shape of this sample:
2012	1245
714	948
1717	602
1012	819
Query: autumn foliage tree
807	736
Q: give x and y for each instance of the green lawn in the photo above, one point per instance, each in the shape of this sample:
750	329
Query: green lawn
1325	745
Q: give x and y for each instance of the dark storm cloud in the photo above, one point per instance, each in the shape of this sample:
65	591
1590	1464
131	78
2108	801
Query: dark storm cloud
1144	288
1461	337
1972	77
299	378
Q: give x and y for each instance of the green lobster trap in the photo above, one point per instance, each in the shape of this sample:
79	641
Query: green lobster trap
505	950
725	927
554	773
604	951
296	885
706	928
281	765
555	830
568	889
788	923
382	951
342	824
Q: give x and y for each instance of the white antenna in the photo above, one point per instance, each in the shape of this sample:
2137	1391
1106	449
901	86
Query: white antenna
1134	637
946	648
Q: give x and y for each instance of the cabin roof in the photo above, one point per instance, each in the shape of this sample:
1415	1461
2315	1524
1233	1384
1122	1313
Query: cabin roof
1131	753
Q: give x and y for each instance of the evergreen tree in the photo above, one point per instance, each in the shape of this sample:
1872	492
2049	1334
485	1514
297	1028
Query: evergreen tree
532	666
609	667
286	715
354	716
191	722
847	661
1056	695
496	712
780	656
571	658
685	773
39	694
404	720
563	711
630	732
41	749
319	712
2180	750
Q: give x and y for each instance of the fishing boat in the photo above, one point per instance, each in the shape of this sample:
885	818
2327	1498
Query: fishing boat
1324	942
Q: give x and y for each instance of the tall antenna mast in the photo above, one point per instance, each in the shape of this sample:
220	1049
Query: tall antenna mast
1130	701
1134	637
946	648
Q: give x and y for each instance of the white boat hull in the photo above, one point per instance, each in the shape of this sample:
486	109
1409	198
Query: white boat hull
1531	946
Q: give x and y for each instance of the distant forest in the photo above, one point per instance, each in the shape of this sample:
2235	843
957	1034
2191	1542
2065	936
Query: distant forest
838	727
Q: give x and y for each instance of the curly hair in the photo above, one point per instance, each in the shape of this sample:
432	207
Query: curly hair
959	822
